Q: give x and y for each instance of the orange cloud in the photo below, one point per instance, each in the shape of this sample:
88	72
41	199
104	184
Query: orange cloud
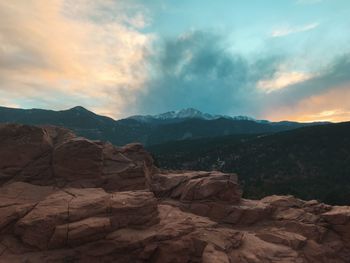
54	47
282	80
332	105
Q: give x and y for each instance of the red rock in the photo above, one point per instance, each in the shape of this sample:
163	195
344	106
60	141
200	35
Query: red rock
338	215
78	159
283	201
194	186
211	254
198	216
49	155
72	213
20	145
278	236
339	218
17	199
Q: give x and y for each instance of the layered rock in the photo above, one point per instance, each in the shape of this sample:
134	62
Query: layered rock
55	156
69	199
197	186
72	217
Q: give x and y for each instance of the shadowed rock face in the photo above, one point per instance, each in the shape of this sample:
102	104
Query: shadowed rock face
69	199
55	156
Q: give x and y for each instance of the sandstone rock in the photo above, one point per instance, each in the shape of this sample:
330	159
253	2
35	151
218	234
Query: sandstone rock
75	216
278	236
338	215
316	207
78	159
310	231
339	218
211	254
49	155
58	135
178	236
296	214
247	212
316	252
256	250
199	216
80	232
286	201
17	199
126	168
192	186
20	145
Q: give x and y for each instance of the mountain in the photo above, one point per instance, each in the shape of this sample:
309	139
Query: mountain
149	130
188	113
309	162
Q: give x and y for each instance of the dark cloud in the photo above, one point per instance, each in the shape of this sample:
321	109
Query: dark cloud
197	70
337	74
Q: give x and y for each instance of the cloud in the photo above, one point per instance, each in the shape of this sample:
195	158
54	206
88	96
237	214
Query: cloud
198	70
327	92
288	30
332	105
95	53
83	51
282	80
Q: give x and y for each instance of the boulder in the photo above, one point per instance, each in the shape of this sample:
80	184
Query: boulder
126	168
279	236
339	219
283	201
75	216
49	155
78	160
195	186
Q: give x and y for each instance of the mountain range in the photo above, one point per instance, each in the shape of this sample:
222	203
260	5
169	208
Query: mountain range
147	129
308	160
188	113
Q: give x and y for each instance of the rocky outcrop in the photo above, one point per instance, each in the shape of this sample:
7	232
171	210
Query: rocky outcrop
69	199
55	156
197	186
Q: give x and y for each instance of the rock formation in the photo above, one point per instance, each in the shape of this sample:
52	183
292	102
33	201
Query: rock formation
69	199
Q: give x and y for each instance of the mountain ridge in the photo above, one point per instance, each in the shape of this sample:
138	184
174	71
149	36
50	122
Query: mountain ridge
167	127
188	113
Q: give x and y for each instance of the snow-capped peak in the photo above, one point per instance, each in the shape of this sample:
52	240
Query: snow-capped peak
188	113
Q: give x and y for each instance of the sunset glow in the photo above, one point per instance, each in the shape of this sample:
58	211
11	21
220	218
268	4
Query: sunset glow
120	58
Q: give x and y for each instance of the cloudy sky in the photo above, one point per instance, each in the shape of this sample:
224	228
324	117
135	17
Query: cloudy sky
271	59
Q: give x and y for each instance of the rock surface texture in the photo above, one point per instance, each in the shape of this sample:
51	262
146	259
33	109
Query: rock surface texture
69	199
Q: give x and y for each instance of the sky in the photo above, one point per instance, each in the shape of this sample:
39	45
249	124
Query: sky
270	59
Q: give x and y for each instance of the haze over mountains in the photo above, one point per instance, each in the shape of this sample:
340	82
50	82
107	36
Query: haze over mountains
149	130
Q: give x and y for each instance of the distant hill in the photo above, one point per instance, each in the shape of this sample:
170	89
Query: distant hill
310	162
149	130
